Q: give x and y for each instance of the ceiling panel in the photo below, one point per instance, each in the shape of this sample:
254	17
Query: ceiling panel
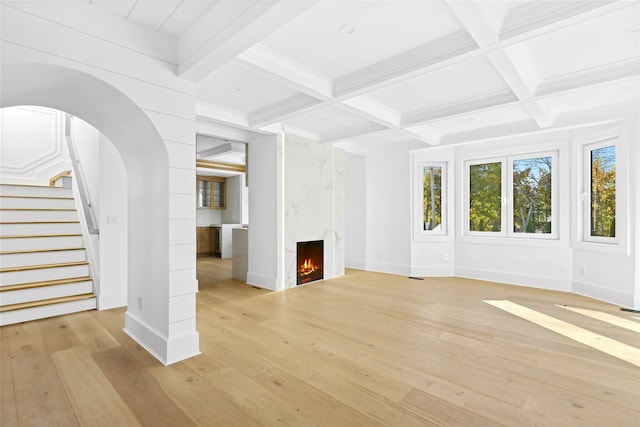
117	7
596	42
153	14
476	120
326	120
464	80
380	30
235	88
618	92
500	10
184	17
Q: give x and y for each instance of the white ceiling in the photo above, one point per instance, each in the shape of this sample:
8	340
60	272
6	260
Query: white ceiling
360	71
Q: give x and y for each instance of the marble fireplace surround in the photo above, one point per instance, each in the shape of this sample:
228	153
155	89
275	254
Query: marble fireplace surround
310	205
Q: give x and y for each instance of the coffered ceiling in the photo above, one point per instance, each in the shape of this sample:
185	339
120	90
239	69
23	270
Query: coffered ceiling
439	72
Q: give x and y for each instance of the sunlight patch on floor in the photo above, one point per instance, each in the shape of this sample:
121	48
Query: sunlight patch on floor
599	342
606	317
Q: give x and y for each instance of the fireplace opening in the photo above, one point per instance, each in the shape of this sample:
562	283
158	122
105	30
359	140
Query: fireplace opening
310	261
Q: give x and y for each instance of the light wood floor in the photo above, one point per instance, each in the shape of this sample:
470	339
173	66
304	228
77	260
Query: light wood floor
364	350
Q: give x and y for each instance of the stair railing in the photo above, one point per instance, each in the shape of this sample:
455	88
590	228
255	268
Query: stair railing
85	200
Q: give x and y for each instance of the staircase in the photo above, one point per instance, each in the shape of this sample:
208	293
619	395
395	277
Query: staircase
44	270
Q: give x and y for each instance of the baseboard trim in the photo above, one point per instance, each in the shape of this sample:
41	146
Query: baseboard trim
358	264
432	270
381	267
114	300
166	350
612	296
261	281
540	282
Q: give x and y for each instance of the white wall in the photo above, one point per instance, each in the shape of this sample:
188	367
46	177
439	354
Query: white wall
355	211
129	91
205	217
232	214
32	147
263	220
388	231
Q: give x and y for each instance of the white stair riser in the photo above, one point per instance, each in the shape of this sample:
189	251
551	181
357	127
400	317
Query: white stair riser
45	292
32	243
40	258
17	316
37	215
20	229
34	190
40	203
43	274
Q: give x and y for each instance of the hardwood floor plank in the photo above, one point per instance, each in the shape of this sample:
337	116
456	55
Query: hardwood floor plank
259	402
443	412
91	334
197	396
8	414
95	400
57	334
139	389
40	396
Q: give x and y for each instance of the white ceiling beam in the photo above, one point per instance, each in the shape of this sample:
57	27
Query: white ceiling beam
206	47
477	21
372	110
352	132
282	110
271	64
407	64
479	103
221	150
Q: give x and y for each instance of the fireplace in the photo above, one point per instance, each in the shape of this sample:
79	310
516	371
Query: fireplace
310	261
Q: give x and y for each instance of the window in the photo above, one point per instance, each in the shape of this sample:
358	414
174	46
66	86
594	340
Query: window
512	196
600	192
432	194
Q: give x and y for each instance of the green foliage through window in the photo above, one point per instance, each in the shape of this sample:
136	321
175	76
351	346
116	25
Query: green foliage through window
485	197
603	191
432	197
532	195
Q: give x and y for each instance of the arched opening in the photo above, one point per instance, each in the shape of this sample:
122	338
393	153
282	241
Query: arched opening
146	161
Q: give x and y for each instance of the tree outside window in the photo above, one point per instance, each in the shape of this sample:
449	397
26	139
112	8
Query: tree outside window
432	197
603	191
532	195
485	197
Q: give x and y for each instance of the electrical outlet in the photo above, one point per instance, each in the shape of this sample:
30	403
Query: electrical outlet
446	257
140	303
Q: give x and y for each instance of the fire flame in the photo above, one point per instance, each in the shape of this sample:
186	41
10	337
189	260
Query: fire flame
308	267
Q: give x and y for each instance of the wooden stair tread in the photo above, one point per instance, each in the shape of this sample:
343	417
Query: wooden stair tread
42	266
28	185
35	197
31	251
20	286
43	302
38	209
40	222
22	236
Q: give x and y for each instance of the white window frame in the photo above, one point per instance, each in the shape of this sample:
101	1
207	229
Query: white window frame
586	192
467	196
444	200
506	187
555	220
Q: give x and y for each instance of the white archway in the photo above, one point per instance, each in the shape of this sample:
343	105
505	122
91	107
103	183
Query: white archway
146	162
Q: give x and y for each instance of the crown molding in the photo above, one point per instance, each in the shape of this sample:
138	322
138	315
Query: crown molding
491	100
292	130
536	15
591	77
373	110
271	64
405	65
279	111
352	132
424	134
